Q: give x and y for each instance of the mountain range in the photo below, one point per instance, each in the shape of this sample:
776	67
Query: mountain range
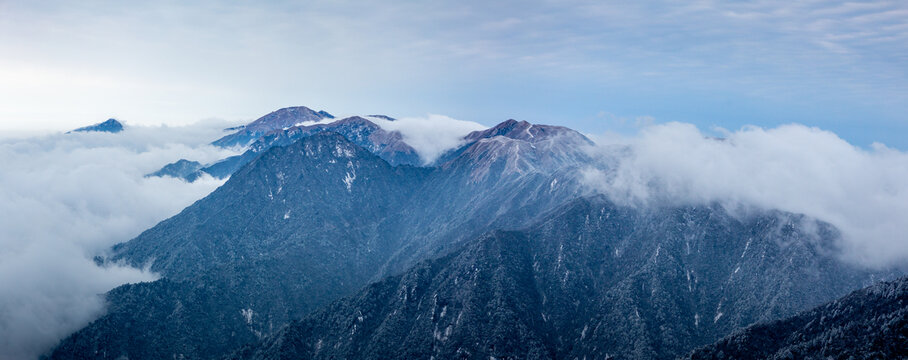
592	280
283	127
332	238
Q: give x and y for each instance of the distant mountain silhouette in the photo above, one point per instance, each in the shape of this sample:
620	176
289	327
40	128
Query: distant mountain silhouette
110	125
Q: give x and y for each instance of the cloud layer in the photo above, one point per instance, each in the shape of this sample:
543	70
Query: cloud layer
864	193
67	198
431	135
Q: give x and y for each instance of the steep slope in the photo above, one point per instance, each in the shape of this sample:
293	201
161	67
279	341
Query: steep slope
255	235
594	280
321	191
871	323
443	205
161	320
504	177
405	209
432	310
299	226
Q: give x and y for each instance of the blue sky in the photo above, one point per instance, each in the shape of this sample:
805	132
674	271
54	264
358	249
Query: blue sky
591	65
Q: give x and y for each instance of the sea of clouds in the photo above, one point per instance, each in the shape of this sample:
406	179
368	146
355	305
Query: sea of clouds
65	198
861	191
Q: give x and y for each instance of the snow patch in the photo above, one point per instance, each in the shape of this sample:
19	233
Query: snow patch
343	151
350	176
348	180
247	315
746	246
689	288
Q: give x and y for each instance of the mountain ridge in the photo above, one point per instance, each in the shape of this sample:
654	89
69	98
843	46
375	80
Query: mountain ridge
313	216
560	290
275	120
287	125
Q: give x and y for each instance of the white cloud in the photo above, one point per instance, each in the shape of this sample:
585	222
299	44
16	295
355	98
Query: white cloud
68	197
864	193
65	62
432	135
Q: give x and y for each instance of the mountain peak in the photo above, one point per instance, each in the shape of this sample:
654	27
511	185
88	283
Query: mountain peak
356	120
325	114
286	117
110	125
520	130
275	120
518	148
508	126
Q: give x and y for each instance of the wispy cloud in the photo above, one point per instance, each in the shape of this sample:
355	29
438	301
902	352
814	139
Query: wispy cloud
792	168
431	135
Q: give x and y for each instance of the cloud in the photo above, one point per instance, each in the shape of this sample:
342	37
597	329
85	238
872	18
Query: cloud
432	135
792	168
68	197
544	61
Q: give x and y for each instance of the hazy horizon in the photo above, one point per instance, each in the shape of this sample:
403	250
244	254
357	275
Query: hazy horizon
592	66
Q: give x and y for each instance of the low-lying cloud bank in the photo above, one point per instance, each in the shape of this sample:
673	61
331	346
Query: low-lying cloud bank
794	168
431	135
65	198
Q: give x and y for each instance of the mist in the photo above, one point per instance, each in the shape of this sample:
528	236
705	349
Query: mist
65	198
794	168
431	135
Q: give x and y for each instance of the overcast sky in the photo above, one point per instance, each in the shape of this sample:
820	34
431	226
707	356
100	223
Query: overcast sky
592	65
